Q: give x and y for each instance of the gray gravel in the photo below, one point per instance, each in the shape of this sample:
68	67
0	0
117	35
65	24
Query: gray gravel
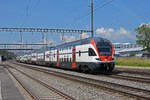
74	89
103	78
134	67
135	75
41	92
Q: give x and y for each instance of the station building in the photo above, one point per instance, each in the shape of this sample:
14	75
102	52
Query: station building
125	49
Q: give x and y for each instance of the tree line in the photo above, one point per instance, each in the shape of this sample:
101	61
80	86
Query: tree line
6	55
143	36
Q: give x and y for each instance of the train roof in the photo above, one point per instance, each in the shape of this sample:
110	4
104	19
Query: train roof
73	43
82	41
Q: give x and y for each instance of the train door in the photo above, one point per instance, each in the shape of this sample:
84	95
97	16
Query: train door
58	59
73	57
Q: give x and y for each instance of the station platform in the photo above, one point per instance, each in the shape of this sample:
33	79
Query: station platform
8	90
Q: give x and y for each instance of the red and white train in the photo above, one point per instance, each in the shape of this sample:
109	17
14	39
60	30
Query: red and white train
86	55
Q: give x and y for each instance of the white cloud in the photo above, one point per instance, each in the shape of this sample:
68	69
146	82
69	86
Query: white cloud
105	32
123	31
69	38
120	34
51	42
110	30
100	30
84	35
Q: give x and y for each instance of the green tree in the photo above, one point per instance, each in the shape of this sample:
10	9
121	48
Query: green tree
143	36
7	55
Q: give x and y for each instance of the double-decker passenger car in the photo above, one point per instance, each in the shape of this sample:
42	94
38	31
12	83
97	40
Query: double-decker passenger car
87	55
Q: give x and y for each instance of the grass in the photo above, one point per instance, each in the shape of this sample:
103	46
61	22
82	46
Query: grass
139	62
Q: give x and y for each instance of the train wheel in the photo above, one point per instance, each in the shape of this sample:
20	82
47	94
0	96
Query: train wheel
90	71
80	69
106	68
84	69
87	69
110	69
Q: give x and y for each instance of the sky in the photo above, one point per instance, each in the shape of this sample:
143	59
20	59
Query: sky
115	21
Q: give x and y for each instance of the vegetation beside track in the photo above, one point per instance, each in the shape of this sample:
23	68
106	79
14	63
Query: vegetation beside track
139	62
6	55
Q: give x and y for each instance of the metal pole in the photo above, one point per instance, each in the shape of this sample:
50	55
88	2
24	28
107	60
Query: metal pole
46	39
43	38
21	39
92	32
80	36
63	39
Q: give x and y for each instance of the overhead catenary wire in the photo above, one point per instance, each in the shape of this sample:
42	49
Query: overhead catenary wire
96	8
103	4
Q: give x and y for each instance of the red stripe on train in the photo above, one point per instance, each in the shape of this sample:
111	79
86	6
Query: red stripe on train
73	57
94	44
58	59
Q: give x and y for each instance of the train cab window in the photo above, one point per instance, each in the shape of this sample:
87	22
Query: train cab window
91	52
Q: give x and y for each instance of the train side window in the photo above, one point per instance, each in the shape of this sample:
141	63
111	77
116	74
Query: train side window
91	52
70	60
67	59
63	59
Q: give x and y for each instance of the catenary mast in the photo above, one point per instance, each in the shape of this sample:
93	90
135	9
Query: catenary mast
92	30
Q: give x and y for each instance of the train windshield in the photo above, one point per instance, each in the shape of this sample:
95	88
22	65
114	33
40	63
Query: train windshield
104	48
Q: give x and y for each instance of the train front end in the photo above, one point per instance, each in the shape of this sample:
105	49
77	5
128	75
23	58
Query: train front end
104	49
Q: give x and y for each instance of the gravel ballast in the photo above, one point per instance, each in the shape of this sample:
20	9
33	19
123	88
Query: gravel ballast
74	89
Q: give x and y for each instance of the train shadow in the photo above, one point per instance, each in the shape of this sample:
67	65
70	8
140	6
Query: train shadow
114	72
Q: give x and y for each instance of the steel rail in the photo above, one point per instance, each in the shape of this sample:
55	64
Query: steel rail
129	78
96	83
26	89
130	71
65	96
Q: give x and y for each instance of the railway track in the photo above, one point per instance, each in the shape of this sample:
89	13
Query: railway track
128	91
132	71
128	78
34	97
